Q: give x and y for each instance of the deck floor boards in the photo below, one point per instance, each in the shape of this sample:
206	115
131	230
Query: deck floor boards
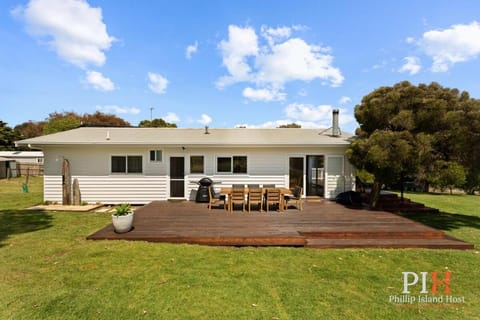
320	225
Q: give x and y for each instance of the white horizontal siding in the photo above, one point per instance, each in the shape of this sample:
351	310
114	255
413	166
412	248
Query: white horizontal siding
111	189
339	176
52	188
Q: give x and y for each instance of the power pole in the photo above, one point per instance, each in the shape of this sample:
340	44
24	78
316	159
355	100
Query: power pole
151	113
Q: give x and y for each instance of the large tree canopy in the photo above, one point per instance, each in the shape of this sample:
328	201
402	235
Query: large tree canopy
7	136
407	129
156	123
57	122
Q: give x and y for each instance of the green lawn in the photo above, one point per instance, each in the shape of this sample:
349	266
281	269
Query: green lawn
49	271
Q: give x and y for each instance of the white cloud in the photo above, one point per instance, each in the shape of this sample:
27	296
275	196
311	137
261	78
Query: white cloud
321	114
73	28
99	81
279	59
307	116
278	123
265	125
118	110
191	49
305	62
171	117
410	40
344	100
273	35
241	43
307	112
446	47
205	119
412	65
157	83
263	94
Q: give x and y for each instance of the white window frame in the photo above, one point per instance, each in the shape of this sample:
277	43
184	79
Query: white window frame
156	151
190	164
231	164
126	164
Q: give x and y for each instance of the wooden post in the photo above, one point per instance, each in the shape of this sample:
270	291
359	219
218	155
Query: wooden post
66	183
28	175
77	196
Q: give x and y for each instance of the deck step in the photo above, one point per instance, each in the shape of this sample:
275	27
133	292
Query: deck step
389	243
344	235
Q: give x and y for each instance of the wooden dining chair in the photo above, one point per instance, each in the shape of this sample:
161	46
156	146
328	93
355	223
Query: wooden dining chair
296	196
237	196
216	198
255	196
272	198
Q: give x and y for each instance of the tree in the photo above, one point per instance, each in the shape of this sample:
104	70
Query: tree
29	129
386	154
156	123
58	122
104	119
290	125
405	129
7	137
449	175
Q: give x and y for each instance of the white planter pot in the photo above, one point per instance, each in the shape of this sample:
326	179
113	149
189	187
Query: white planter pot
122	224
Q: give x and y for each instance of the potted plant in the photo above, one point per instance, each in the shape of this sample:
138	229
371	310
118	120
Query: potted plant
122	219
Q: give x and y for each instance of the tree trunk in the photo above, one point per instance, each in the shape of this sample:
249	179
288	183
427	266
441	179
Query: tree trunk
375	194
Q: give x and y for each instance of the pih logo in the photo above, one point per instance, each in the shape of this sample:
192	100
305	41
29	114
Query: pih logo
428	288
411	278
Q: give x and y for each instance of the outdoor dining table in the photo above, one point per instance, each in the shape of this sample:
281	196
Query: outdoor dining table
227	191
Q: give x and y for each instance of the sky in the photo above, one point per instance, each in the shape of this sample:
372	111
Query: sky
228	63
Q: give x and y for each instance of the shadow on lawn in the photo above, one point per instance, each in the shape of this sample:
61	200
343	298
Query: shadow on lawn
445	221
21	221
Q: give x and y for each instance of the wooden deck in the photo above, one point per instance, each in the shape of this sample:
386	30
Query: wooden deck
319	225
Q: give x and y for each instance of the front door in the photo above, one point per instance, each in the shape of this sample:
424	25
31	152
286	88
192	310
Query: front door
177	177
315	176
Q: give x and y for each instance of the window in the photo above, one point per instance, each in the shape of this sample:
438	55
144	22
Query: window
119	164
127	164
156	155
224	164
235	164
240	164
196	164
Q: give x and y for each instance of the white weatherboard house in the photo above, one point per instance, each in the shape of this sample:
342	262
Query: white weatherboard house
139	165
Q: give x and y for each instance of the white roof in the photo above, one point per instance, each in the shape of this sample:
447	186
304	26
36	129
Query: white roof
21	154
190	137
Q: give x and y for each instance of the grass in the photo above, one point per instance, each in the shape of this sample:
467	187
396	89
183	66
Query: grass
49	271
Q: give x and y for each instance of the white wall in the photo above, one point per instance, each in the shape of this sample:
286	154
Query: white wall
91	165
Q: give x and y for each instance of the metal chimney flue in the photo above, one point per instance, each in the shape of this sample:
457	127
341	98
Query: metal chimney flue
335	126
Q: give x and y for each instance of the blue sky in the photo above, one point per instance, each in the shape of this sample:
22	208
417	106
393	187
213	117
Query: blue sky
227	63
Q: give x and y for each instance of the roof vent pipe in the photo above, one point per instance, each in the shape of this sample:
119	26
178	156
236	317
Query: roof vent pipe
335	127
206	130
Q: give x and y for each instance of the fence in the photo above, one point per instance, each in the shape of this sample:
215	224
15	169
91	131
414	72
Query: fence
29	169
